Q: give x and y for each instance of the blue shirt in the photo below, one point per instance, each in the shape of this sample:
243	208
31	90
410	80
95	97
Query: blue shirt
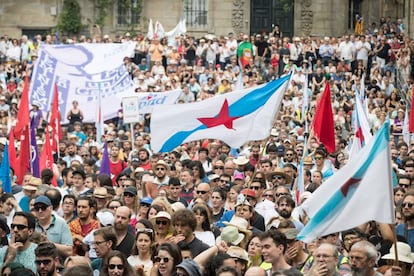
57	232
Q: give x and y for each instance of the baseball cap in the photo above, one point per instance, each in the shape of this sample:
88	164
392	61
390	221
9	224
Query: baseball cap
43	200
106	218
130	190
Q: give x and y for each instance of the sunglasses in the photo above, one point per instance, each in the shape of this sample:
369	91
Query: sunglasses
117	266
145	204
268	195
85	155
278	177
202	192
19	226
164	259
256	188
114	207
128	195
123	178
218	168
318	158
404	185
41	207
43	262
408	205
145	230
160	169
281	194
163	222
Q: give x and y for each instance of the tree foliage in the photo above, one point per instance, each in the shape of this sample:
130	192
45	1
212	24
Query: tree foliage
70	20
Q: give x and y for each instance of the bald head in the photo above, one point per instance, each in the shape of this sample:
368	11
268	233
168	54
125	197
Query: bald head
255	271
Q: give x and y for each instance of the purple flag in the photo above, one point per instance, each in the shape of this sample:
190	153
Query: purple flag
105	169
34	153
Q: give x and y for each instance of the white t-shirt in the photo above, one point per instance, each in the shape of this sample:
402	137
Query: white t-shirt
135	260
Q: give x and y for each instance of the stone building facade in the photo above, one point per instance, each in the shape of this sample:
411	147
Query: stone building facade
306	17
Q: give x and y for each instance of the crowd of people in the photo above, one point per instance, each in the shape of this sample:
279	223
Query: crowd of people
206	208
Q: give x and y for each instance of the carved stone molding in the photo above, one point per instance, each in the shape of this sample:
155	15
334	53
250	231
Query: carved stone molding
306	21
237	16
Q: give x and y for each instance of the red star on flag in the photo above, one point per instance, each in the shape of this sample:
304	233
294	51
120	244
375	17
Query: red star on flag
222	118
348	184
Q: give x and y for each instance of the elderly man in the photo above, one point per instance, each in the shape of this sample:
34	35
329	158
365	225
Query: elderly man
362	257
325	260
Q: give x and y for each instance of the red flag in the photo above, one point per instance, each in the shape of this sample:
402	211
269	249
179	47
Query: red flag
55	121
411	120
23	116
323	123
23	160
46	158
12	151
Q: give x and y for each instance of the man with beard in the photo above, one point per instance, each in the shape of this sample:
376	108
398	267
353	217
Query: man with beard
362	257
285	206
184	222
20	249
161	170
407	229
144	159
125	239
83	225
47	259
72	155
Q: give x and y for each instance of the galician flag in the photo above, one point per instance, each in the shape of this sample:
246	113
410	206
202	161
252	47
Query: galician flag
234	118
361	191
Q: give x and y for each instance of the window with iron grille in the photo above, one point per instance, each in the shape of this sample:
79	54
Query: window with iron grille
196	12
128	12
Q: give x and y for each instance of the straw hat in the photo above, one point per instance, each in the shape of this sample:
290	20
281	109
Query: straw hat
161	163
279	171
240	223
33	184
241	160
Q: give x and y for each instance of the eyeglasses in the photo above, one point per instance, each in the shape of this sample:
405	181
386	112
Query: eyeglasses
40	207
163	222
85	155
98	242
408	205
223	180
404	185
218	168
255	187
268	195
117	266
19	226
43	262
160	169
323	256
164	259
202	192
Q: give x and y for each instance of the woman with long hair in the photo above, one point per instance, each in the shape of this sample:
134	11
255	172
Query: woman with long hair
232	197
116	265
203	229
199	174
166	259
254	250
142	252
